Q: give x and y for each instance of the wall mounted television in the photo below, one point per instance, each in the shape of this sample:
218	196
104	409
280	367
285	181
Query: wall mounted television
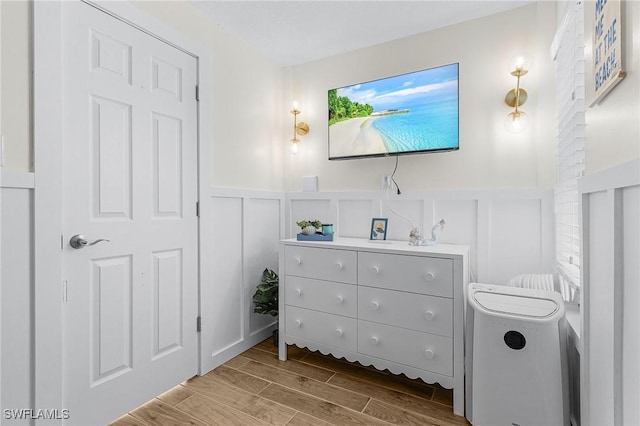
410	113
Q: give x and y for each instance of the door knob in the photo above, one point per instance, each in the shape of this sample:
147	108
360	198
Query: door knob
78	241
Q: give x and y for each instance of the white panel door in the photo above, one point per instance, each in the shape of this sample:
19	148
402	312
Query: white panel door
130	177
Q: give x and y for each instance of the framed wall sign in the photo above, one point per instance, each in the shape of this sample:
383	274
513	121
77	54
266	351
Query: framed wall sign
606	47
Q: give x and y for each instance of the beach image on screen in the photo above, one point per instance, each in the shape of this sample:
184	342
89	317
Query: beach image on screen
403	114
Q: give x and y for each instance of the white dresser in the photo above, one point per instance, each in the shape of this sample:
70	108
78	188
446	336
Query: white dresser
385	304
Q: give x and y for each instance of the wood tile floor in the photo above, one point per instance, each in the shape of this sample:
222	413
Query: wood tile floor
255	388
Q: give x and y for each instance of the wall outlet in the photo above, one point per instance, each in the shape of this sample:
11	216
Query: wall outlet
386	181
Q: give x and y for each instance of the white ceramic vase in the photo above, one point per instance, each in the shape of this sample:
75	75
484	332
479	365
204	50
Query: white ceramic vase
308	230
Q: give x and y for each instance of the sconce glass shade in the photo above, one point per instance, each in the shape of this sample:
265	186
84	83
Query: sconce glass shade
294	146
519	65
516	122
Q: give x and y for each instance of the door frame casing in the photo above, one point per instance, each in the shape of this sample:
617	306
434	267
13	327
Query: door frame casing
48	154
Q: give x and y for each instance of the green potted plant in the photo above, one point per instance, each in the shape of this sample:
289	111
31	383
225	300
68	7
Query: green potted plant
309	227
265	299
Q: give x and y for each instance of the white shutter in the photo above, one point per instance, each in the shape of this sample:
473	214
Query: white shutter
568	51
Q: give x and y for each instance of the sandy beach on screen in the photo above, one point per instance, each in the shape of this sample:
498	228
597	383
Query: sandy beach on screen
355	137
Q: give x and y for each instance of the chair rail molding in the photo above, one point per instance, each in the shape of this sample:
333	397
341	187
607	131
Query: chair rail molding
14	179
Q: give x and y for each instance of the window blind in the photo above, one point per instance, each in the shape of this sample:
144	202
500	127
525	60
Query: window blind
567	51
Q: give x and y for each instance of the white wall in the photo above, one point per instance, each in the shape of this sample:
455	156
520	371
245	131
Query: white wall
249	145
246	143
613	129
15	84
488	156
17	287
247	95
610	392
245	152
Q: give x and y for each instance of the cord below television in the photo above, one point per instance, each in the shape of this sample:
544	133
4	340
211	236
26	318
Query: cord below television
415	235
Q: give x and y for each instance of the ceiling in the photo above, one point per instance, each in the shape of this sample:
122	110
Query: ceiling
296	32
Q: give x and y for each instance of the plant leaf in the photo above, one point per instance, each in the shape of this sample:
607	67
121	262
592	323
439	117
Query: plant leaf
265	298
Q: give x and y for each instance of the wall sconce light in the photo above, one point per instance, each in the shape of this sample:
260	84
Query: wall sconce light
517	121
299	129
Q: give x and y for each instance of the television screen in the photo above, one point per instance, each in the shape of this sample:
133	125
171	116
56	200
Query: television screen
406	114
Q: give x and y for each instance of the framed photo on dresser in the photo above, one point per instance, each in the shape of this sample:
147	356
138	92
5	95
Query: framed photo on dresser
378	228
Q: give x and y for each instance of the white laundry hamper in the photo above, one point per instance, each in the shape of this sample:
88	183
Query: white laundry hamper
515	357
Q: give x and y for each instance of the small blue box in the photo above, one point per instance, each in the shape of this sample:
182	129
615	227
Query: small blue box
315	237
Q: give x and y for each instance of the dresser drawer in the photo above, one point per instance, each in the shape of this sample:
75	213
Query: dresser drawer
416	274
322	328
413	348
418	312
326	296
323	264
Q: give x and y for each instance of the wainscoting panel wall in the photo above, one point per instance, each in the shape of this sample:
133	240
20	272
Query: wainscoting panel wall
247	226
510	232
228	277
462	223
520	218
413	210
17	289
355	216
263	231
312	209
631	303
610	391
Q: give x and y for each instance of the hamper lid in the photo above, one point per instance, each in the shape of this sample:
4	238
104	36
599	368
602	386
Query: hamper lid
516	305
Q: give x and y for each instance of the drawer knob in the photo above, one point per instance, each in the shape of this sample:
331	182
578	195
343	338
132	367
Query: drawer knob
298	260
339	299
338	333
298	323
429	354
429	315
375	269
430	276
339	265
374	306
373	340
298	292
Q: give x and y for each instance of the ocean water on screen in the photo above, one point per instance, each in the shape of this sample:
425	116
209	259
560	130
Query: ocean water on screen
425	127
